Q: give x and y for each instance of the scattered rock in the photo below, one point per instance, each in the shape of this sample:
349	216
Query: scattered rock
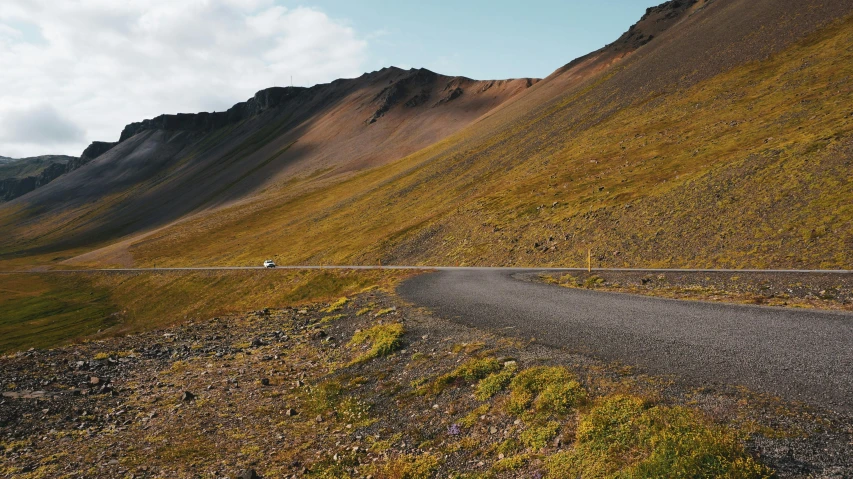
249	474
187	396
290	412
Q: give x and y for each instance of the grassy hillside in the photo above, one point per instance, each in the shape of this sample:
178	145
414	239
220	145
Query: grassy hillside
711	134
749	168
44	310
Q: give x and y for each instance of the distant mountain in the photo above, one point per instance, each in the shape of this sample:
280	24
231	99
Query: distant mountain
21	176
22	167
713	133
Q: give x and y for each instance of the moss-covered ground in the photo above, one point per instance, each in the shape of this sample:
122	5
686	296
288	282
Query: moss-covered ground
290	393
43	310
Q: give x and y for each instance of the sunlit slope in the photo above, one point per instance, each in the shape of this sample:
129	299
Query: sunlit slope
749	168
170	167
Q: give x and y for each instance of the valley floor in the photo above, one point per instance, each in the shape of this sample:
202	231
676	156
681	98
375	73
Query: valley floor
369	386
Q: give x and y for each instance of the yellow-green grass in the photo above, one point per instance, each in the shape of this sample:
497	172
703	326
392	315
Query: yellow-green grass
746	169
474	369
623	436
407	467
44	310
549	390
380	340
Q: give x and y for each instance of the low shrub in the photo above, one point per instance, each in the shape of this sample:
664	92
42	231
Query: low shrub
548	389
384	339
407	467
469	371
624	436
336	306
495	382
537	437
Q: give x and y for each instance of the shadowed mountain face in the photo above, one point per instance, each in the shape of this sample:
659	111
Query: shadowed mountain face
704	136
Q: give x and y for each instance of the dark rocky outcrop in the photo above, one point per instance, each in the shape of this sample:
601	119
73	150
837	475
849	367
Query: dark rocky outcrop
654	22
413	90
450	96
263	100
419	99
96	149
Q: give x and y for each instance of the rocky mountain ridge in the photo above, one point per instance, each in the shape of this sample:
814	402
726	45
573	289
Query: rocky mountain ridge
412	89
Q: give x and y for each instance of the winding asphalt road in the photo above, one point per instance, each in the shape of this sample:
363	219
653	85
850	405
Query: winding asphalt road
800	355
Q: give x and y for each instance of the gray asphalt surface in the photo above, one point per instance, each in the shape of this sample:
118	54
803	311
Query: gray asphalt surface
800	355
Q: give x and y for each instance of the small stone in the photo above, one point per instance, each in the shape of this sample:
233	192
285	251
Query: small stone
319	418
299	383
94	380
187	396
290	412
249	474
265	382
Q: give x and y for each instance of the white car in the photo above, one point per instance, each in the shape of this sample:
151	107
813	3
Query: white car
269	264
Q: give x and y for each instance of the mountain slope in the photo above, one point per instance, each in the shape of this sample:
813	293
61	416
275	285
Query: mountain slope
169	166
713	133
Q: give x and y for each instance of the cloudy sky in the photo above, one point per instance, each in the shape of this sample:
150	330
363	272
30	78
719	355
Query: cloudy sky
75	71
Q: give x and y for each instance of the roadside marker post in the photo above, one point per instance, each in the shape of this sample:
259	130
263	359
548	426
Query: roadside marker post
589	260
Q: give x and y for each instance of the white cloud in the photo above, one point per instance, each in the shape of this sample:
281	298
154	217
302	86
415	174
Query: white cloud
100	64
39	125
